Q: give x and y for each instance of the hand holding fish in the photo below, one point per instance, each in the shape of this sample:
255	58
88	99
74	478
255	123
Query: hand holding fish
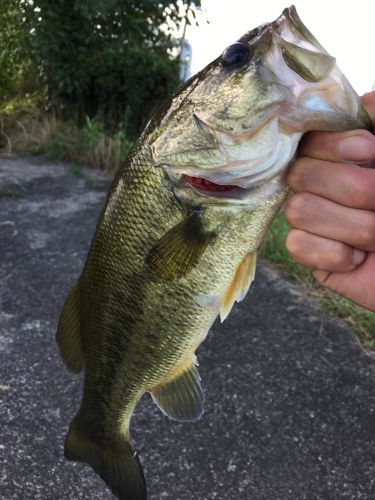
332	212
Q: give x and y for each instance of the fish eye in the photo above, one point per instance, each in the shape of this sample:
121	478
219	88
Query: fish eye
235	56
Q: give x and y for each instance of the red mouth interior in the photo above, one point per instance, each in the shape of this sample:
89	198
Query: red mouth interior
204	184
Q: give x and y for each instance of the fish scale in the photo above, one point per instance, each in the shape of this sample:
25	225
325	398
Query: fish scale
176	242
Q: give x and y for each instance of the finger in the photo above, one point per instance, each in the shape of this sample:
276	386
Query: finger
316	252
325	218
357	285
343	183
368	100
353	145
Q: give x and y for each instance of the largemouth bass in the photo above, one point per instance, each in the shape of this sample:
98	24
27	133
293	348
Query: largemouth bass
175	245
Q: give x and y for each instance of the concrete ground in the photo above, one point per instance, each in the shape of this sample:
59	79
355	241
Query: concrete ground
290	396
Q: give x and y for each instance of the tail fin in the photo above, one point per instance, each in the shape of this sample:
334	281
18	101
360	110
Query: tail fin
118	464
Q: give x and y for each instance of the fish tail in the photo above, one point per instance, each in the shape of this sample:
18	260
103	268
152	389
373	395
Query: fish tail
117	464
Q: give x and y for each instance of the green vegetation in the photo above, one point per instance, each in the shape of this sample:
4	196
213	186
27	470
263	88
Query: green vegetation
274	250
79	78
10	193
108	59
91	144
77	171
18	73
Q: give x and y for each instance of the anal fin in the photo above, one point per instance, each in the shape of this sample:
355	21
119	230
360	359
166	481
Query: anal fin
181	398
239	286
69	332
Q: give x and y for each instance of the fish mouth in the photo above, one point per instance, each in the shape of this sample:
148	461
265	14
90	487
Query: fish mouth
199	190
204	185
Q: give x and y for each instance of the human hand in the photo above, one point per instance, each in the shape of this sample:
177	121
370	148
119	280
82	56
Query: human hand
332	212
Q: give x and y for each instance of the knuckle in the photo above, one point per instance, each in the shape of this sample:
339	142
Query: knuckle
364	188
295	208
366	230
297	171
338	256
294	242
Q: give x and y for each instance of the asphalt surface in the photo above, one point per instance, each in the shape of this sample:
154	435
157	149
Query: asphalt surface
290	396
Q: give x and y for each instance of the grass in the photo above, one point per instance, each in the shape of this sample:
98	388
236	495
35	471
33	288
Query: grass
10	193
29	131
359	319
77	171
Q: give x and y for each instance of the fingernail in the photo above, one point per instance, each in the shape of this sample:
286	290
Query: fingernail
357	148
358	257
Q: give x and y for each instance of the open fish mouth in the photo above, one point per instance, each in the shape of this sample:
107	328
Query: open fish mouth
207	189
202	184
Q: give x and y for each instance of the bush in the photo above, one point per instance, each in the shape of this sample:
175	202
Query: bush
18	73
109	59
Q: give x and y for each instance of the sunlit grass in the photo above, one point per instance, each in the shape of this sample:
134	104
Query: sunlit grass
32	132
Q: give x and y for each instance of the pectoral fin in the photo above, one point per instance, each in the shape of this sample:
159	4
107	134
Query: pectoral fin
179	251
181	398
69	332
239	286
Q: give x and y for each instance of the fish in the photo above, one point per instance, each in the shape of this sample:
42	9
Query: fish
176	242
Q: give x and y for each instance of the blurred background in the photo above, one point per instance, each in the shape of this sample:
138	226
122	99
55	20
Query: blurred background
80	78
